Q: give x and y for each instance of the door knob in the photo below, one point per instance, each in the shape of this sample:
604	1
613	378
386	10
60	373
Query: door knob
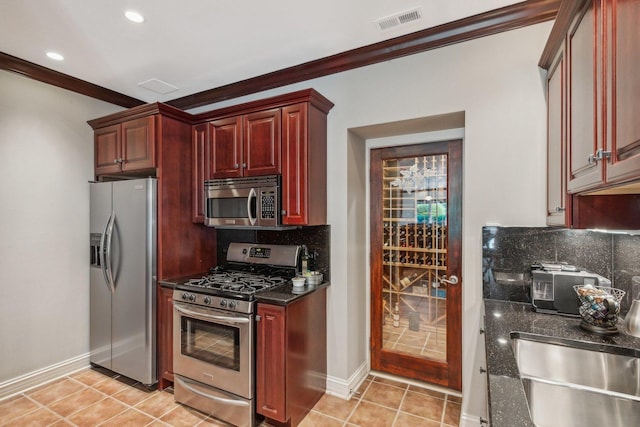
452	280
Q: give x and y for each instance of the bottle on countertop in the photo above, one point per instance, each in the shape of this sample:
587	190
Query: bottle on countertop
305	260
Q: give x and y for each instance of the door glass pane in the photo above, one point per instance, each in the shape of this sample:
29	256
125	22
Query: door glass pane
415	256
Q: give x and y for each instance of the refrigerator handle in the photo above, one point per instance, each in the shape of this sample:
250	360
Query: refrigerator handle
101	253
252	195
107	264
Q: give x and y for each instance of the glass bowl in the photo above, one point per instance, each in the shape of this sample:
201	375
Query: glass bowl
599	305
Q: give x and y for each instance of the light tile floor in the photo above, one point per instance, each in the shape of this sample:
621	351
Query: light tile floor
93	397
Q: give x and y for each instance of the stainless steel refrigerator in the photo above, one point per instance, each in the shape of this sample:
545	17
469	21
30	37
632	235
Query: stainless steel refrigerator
123	277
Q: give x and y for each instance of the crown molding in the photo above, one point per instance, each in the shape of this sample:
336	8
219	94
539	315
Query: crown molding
65	81
493	22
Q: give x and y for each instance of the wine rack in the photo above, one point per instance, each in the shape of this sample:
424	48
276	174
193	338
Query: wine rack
414	235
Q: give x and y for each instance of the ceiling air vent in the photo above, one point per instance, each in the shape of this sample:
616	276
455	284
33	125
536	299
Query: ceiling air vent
401	18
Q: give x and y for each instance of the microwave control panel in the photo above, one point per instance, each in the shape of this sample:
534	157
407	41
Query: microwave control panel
268	205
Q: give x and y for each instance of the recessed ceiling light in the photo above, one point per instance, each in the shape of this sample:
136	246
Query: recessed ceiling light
55	56
134	16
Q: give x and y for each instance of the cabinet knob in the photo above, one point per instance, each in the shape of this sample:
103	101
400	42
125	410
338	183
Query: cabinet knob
283	212
560	209
237	166
600	155
244	165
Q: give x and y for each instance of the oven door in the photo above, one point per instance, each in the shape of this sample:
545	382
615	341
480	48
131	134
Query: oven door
214	347
230	206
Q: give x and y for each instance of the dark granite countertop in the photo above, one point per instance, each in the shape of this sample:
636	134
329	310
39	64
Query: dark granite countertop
286	294
281	295
507	402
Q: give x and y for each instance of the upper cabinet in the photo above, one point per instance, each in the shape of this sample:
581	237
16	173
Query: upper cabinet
622	88
557	206
598	38
247	145
585	101
125	147
284	135
126	143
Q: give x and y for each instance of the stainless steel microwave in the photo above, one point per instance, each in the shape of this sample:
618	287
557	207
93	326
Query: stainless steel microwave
243	202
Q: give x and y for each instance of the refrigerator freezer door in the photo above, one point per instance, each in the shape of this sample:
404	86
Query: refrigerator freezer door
133	267
99	292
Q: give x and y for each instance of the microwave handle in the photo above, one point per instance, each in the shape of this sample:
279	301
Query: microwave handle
252	195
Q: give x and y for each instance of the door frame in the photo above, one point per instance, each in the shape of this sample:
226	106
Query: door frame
454	380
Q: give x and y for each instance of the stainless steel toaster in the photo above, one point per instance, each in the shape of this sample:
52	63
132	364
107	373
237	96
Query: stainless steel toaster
552	287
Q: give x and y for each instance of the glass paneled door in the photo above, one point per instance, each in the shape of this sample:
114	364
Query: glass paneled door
416	200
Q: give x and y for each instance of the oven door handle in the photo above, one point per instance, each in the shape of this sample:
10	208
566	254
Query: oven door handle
186	384
204	316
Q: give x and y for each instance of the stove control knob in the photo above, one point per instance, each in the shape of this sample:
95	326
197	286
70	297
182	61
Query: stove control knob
223	303
192	298
232	304
207	300
185	296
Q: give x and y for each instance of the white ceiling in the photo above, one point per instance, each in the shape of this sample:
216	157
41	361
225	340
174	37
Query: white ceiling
197	45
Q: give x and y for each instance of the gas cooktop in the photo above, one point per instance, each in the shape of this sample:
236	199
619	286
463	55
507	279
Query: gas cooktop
238	284
247	272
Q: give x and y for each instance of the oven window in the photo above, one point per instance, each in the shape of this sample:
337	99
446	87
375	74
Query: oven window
211	343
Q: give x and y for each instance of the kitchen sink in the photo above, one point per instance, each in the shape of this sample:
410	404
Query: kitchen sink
568	386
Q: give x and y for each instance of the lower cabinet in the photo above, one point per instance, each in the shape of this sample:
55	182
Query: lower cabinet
291	357
165	337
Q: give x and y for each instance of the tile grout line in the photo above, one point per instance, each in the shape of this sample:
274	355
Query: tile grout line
346	421
406	390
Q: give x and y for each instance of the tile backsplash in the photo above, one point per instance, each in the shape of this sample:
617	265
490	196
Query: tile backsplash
508	252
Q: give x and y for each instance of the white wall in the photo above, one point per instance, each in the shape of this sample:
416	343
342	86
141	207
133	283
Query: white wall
46	160
496	82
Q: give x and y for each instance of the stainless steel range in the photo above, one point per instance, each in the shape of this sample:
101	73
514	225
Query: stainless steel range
213	330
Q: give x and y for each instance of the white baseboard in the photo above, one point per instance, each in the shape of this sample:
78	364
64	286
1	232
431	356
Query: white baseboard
469	420
33	379
345	389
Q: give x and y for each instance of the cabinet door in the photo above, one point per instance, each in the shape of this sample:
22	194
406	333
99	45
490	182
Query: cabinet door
107	149
623	88
224	150
139	144
165	337
584	130
200	168
270	362
556	180
262	143
294	164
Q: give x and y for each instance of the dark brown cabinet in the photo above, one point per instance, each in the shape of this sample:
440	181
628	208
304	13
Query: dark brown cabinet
270	362
603	92
622	88
584	100
291	357
125	147
165	336
199	167
592	95
304	165
284	135
557	206
246	145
